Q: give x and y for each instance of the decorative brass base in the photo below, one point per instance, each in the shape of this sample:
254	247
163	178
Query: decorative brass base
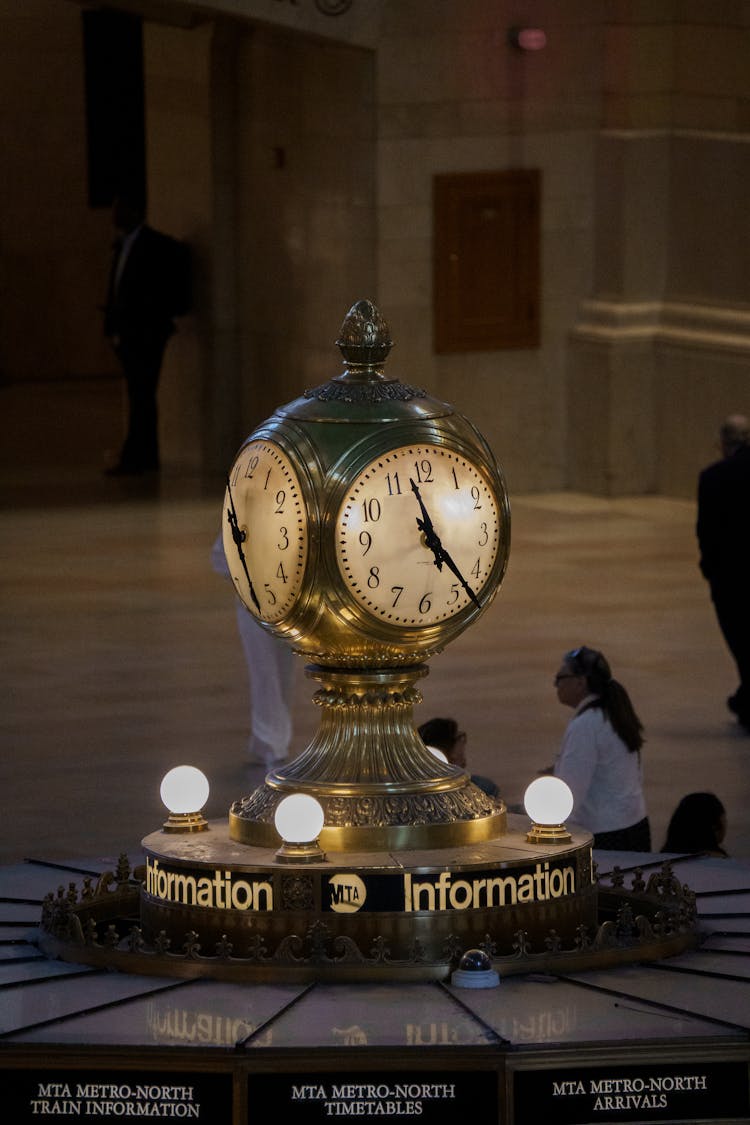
379	787
274	925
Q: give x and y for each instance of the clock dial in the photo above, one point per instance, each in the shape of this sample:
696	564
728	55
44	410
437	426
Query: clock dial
265	530
418	535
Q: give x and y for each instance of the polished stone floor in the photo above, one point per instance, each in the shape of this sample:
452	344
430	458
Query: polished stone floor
120	657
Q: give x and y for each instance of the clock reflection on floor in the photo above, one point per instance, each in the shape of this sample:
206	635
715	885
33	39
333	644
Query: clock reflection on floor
367	524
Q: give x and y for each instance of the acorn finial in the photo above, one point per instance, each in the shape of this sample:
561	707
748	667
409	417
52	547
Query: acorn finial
364	339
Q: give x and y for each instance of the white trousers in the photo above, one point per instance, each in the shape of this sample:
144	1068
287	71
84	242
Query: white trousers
271	676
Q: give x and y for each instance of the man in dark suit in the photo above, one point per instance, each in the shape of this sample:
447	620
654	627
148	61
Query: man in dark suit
724	538
145	293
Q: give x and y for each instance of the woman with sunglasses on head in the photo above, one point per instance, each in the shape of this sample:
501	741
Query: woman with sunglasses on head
600	756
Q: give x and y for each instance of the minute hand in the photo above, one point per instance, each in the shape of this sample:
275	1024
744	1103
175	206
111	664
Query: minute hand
433	541
238	536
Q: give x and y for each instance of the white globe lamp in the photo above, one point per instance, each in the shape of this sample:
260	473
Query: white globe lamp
548	802
184	791
299	821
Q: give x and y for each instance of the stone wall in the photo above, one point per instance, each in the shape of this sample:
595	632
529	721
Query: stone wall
660	351
454	96
296	149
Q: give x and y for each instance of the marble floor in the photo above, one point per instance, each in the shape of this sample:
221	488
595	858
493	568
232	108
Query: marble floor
120	657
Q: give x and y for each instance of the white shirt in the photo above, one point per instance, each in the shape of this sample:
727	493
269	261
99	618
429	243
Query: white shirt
604	776
127	245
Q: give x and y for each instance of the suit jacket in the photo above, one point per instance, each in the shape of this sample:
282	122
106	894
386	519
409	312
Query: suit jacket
141	306
723	526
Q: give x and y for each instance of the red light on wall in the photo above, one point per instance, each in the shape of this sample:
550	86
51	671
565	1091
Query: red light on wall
527	38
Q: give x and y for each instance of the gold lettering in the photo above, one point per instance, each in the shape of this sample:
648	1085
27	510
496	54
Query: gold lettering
417	889
526	888
499	885
205	892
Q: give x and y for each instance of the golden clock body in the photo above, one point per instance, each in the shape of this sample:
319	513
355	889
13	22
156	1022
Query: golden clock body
367	524
343	571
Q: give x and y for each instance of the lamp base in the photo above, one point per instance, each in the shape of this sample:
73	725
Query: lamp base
185	822
551	834
300	853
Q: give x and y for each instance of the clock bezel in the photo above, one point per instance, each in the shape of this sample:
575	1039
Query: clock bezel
301	456
446	433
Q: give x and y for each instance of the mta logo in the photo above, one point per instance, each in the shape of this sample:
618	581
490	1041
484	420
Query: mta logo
348	892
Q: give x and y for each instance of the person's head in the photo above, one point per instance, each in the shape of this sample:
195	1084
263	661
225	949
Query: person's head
586	672
583	671
128	210
444	735
734	433
698	824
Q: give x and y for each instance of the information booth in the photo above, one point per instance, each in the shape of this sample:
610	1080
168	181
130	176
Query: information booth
665	1041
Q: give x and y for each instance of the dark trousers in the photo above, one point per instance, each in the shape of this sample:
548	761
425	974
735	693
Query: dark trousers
732	605
141	365
637	838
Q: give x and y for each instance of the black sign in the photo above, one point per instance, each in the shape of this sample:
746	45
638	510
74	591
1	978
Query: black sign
75	1095
433	1097
479	888
699	1091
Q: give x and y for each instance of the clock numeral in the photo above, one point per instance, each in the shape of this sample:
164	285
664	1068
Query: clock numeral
371	510
475	569
398	591
455	478
280	498
282	546
236	474
423	469
394	485
252	465
485	536
455	594
265	483
280	573
425	604
365	540
475	497
270	594
373	580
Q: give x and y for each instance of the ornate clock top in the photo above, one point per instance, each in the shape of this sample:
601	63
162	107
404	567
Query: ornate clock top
364	342
365	339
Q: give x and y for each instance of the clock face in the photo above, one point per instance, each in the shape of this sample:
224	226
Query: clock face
409	510
265	495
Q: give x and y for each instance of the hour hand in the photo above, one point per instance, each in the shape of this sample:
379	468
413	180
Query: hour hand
238	535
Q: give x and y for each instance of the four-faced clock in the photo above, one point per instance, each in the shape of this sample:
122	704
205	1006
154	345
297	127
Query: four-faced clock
418	535
265	530
367	524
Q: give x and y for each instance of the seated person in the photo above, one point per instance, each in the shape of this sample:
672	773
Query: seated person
698	825
443	734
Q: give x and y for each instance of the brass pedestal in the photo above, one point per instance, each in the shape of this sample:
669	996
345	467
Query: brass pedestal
379	787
